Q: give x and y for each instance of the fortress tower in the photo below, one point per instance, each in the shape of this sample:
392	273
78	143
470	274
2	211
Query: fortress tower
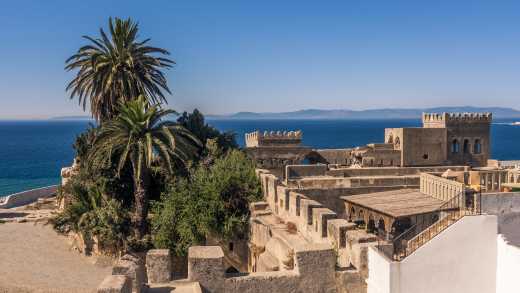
276	149
467	135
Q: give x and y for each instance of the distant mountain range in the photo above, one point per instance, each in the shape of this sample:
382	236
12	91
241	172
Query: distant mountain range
79	117
387	113
396	113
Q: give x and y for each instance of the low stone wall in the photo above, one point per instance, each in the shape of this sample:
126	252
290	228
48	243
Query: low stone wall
439	187
314	272
389	171
299	171
128	275
27	197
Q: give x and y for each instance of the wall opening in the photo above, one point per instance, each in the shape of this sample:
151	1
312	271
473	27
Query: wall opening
477	147
466	146
455	146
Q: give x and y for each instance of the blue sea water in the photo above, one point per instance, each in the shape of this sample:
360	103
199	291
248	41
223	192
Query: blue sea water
32	153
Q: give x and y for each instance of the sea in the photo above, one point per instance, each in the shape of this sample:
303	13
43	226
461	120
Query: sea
32	153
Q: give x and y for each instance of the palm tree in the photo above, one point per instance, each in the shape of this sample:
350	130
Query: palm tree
140	135
116	69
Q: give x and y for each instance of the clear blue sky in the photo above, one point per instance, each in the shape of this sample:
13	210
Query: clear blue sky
277	55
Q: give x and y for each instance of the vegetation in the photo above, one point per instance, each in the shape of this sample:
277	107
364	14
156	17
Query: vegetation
195	123
139	136
212	201
199	182
93	214
117	68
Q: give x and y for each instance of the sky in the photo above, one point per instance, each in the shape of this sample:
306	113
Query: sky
272	56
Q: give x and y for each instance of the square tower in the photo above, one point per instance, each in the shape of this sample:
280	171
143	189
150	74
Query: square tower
467	136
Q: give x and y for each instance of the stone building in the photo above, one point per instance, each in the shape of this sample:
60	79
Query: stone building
444	139
432	216
275	150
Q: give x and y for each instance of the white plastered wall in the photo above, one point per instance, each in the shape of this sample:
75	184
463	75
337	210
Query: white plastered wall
508	266
462	258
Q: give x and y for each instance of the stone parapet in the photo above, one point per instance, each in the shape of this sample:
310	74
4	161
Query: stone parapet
273	138
206	266
133	268
314	272
115	284
159	266
439	187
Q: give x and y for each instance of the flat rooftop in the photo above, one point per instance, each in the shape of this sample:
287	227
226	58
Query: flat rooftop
396	203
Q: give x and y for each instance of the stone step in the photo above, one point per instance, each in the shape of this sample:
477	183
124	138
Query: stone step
179	286
267	263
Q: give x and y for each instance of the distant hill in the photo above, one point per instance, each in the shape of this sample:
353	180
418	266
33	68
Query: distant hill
396	113
71	118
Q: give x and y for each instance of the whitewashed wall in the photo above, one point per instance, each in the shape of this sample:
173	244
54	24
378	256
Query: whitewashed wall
508	266
460	259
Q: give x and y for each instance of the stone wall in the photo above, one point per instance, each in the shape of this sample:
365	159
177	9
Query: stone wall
27	197
299	171
314	272
389	171
439	187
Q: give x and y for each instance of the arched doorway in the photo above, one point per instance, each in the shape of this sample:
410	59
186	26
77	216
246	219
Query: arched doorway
381	230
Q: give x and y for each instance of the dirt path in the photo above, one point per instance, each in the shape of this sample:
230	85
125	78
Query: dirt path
33	258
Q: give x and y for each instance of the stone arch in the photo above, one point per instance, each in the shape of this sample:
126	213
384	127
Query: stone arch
477	146
232	270
351	214
455	146
397	143
371	225
381	227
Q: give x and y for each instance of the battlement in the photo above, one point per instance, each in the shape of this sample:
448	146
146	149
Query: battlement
273	138
443	119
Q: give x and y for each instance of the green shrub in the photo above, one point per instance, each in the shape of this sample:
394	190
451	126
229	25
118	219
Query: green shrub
91	213
213	201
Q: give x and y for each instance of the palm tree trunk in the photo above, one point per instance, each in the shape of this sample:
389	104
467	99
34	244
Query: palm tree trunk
141	201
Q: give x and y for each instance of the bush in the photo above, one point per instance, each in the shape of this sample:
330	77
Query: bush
213	201
91	213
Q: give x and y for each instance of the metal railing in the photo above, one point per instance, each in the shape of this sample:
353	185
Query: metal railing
463	204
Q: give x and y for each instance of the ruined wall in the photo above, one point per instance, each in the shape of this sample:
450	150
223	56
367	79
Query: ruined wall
314	272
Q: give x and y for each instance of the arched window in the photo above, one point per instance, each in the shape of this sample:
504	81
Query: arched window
466	146
477	147
390	139
397	143
455	146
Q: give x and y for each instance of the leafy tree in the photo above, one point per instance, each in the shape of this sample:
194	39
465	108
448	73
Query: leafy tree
139	136
196	123
117	68
212	201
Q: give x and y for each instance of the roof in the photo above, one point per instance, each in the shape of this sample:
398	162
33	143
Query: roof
396	203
